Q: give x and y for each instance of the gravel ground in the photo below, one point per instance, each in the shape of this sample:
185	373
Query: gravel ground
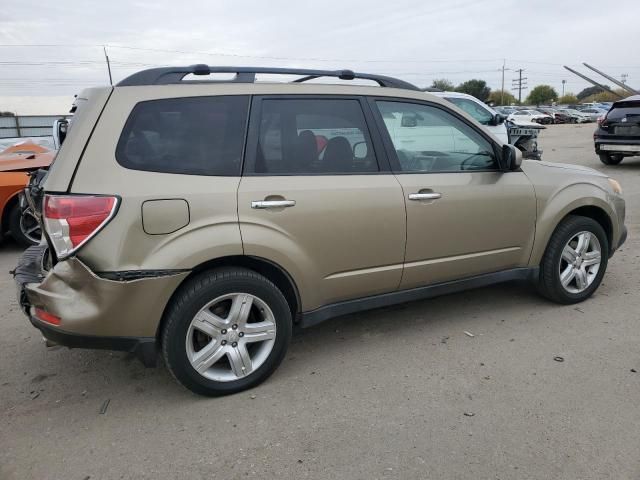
400	392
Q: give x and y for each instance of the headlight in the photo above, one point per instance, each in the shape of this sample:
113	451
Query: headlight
616	186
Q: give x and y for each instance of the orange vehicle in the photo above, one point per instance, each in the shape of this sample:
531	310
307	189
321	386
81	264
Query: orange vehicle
15	164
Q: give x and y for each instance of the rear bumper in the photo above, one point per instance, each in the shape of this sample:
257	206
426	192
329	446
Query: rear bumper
95	312
143	347
626	146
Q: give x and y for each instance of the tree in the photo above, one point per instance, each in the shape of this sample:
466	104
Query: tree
497	98
607	96
568	99
477	88
7	114
443	84
542	94
589	91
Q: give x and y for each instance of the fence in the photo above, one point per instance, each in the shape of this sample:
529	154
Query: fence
28	125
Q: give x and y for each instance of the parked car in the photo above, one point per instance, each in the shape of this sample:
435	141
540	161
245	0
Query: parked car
576	115
618	134
531	116
594	113
203	220
16	162
481	112
558	116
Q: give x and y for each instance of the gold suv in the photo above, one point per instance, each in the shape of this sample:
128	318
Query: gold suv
204	218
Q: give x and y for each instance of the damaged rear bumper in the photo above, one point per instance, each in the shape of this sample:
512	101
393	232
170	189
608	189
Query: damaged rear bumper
94	311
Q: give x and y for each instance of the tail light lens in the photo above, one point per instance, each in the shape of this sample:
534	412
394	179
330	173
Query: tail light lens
72	220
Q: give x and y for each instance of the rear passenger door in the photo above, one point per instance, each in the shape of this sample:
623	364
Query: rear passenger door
317	198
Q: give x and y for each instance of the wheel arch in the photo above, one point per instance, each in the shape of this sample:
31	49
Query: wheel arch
593	210
270	270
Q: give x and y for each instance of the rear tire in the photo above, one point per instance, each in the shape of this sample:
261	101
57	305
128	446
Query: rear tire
610	158
575	261
211	338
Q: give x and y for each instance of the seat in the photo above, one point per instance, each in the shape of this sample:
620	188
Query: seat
305	153
338	156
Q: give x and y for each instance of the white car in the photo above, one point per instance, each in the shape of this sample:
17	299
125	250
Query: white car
530	116
594	113
481	112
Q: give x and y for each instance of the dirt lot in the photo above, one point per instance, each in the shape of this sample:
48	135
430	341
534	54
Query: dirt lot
395	393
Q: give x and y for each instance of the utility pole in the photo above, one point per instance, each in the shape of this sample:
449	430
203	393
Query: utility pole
108	64
502	91
563	82
623	77
519	84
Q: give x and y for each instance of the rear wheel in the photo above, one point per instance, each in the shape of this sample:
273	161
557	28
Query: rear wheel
575	260
226	331
611	158
24	226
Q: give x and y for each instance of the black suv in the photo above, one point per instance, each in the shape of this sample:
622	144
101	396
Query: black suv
618	135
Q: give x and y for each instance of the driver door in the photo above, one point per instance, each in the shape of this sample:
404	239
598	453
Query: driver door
465	216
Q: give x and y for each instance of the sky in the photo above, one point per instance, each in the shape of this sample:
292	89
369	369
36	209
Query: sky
51	50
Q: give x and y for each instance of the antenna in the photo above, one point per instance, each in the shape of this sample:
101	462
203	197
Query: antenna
108	64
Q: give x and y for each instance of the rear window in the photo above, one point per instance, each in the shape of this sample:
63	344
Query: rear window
193	136
626	110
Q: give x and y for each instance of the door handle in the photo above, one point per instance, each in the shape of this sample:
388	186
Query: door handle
273	204
425	196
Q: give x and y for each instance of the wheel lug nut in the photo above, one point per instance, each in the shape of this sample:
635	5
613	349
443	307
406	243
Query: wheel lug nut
224	331
234	326
223	342
234	344
241	334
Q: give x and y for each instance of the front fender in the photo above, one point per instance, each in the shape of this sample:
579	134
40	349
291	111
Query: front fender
560	203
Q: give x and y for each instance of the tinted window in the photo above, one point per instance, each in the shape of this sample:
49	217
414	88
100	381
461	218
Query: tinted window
313	137
482	115
429	139
195	136
626	111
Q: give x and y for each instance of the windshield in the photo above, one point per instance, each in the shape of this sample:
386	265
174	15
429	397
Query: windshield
625	112
477	111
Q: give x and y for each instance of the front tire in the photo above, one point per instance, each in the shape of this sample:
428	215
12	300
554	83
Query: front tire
610	158
226	330
575	260
24	227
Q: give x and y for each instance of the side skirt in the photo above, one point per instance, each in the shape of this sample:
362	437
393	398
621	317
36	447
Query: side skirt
314	317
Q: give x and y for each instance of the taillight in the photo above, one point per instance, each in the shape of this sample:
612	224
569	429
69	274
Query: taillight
47	317
71	220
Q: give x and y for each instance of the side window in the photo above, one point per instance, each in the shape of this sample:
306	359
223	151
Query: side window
193	135
314	136
482	115
429	139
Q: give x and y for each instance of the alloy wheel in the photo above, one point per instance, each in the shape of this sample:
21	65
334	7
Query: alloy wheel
580	261
231	337
30	227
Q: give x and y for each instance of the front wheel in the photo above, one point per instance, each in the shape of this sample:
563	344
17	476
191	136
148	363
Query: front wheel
226	331
575	260
610	158
24	226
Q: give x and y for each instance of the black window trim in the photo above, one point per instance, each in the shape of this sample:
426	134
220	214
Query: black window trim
253	132
391	151
238	172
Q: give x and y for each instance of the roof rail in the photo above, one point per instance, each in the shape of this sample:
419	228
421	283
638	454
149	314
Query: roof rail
172	75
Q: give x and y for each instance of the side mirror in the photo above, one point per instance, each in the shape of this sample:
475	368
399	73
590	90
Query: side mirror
497	119
511	157
60	129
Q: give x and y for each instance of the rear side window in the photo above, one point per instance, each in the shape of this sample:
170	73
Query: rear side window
193	136
313	136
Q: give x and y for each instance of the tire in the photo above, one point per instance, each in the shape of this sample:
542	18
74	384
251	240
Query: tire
610	158
20	229
554	263
211	295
